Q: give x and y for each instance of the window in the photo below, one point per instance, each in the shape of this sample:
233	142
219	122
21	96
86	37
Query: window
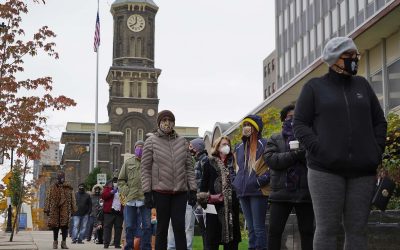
298	8
304	5
287	61
281	66
319	34
327	27
351	9
394	84
280	24
273	87
269	90
292	56
342	13
128	141
305	45
334	20
361	4
265	71
140	134
139	89
377	85
286	18
298	51
312	39
273	64
291	11
139	46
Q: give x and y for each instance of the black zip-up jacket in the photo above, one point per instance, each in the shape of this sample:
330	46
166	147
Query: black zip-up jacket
339	120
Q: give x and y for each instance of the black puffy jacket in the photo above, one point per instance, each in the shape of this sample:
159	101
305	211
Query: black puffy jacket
279	161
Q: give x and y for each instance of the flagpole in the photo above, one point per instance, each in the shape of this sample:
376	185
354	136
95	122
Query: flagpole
96	136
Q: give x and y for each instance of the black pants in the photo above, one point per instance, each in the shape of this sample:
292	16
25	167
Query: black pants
64	233
279	213
170	206
113	219
229	246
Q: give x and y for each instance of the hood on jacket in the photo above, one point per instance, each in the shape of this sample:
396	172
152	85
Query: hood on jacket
256	122
97	186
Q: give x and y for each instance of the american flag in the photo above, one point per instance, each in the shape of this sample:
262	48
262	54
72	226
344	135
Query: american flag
97	33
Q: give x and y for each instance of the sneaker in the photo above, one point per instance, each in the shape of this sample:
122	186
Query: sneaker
80	242
118	246
105	246
73	242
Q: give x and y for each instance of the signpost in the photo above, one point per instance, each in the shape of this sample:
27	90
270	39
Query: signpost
101	179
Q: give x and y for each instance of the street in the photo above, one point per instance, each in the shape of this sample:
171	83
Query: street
44	240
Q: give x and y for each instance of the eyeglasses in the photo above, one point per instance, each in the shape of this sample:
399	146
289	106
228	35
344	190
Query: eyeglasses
351	55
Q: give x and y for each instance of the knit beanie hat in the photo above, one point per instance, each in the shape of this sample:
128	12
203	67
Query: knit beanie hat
256	121
198	144
335	47
163	114
139	142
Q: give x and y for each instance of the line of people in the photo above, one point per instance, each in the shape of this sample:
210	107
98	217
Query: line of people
322	164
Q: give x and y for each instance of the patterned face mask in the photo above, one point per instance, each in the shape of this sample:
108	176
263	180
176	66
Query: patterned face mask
167	126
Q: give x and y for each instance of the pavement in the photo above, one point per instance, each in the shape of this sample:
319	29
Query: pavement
43	240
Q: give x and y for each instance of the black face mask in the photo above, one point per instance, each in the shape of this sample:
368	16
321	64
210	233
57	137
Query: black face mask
192	152
350	65
81	189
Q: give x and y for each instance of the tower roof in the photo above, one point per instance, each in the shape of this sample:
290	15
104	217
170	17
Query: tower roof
121	2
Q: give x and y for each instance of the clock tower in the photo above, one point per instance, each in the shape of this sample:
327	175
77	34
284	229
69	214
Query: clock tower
132	78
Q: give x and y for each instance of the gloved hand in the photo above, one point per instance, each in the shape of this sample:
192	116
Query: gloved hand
148	200
192	198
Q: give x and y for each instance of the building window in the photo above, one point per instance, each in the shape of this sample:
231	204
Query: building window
312	40
327	27
352	9
269	90
273	65
280	21
377	85
334	20
298	51
305	5
298	8
273	87
291	11
305	45
139	89
394	84
319	34
281	66
342	13
265	71
140	134
361	5
292	56
286	18
269	68
287	61
128	141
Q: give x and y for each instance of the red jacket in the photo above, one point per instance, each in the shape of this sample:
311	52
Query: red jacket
107	197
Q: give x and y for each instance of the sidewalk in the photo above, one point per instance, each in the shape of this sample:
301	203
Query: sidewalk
23	240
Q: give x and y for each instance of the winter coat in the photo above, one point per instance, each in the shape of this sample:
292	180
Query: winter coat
339	120
167	165
280	160
201	160
84	204
211	181
255	183
108	197
59	205
129	181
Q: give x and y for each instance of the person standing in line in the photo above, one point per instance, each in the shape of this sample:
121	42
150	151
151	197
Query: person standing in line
167	177
222	228
81	216
113	216
252	179
340	122
199	154
289	185
130	186
95	198
59	205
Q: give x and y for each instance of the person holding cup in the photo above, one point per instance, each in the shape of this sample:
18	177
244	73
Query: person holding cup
287	163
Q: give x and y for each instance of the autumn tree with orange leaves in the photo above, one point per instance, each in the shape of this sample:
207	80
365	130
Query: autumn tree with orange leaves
24	101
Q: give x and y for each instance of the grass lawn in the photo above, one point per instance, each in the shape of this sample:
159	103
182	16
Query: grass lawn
198	244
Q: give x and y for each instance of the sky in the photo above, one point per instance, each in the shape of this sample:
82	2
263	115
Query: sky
210	53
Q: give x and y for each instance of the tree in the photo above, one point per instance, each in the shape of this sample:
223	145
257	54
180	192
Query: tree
24	101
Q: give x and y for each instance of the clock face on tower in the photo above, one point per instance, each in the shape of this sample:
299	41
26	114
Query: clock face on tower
136	23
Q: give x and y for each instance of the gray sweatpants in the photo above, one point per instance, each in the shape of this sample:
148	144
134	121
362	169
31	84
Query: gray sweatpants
336	199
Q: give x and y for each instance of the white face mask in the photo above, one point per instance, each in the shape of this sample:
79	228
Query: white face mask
225	149
115	184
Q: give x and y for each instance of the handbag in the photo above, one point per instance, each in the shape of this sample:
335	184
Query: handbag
383	193
215	198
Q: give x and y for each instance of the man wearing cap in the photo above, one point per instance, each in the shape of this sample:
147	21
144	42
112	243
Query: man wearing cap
340	122
130	186
167	177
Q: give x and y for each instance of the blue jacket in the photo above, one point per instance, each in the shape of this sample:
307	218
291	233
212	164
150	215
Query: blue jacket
255	183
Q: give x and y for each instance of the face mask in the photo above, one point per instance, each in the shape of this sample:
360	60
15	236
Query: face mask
350	65
81	189
101	203
115	184
288	125
138	152
166	126
225	149
60	179
192	152
247	131
97	191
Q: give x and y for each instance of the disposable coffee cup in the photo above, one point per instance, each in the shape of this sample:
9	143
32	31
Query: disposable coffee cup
293	145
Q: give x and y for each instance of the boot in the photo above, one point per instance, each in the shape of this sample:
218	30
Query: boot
64	245
55	244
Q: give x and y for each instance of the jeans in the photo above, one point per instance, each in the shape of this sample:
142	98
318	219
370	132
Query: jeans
89	227
189	230
255	211
79	228
170	207
132	215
